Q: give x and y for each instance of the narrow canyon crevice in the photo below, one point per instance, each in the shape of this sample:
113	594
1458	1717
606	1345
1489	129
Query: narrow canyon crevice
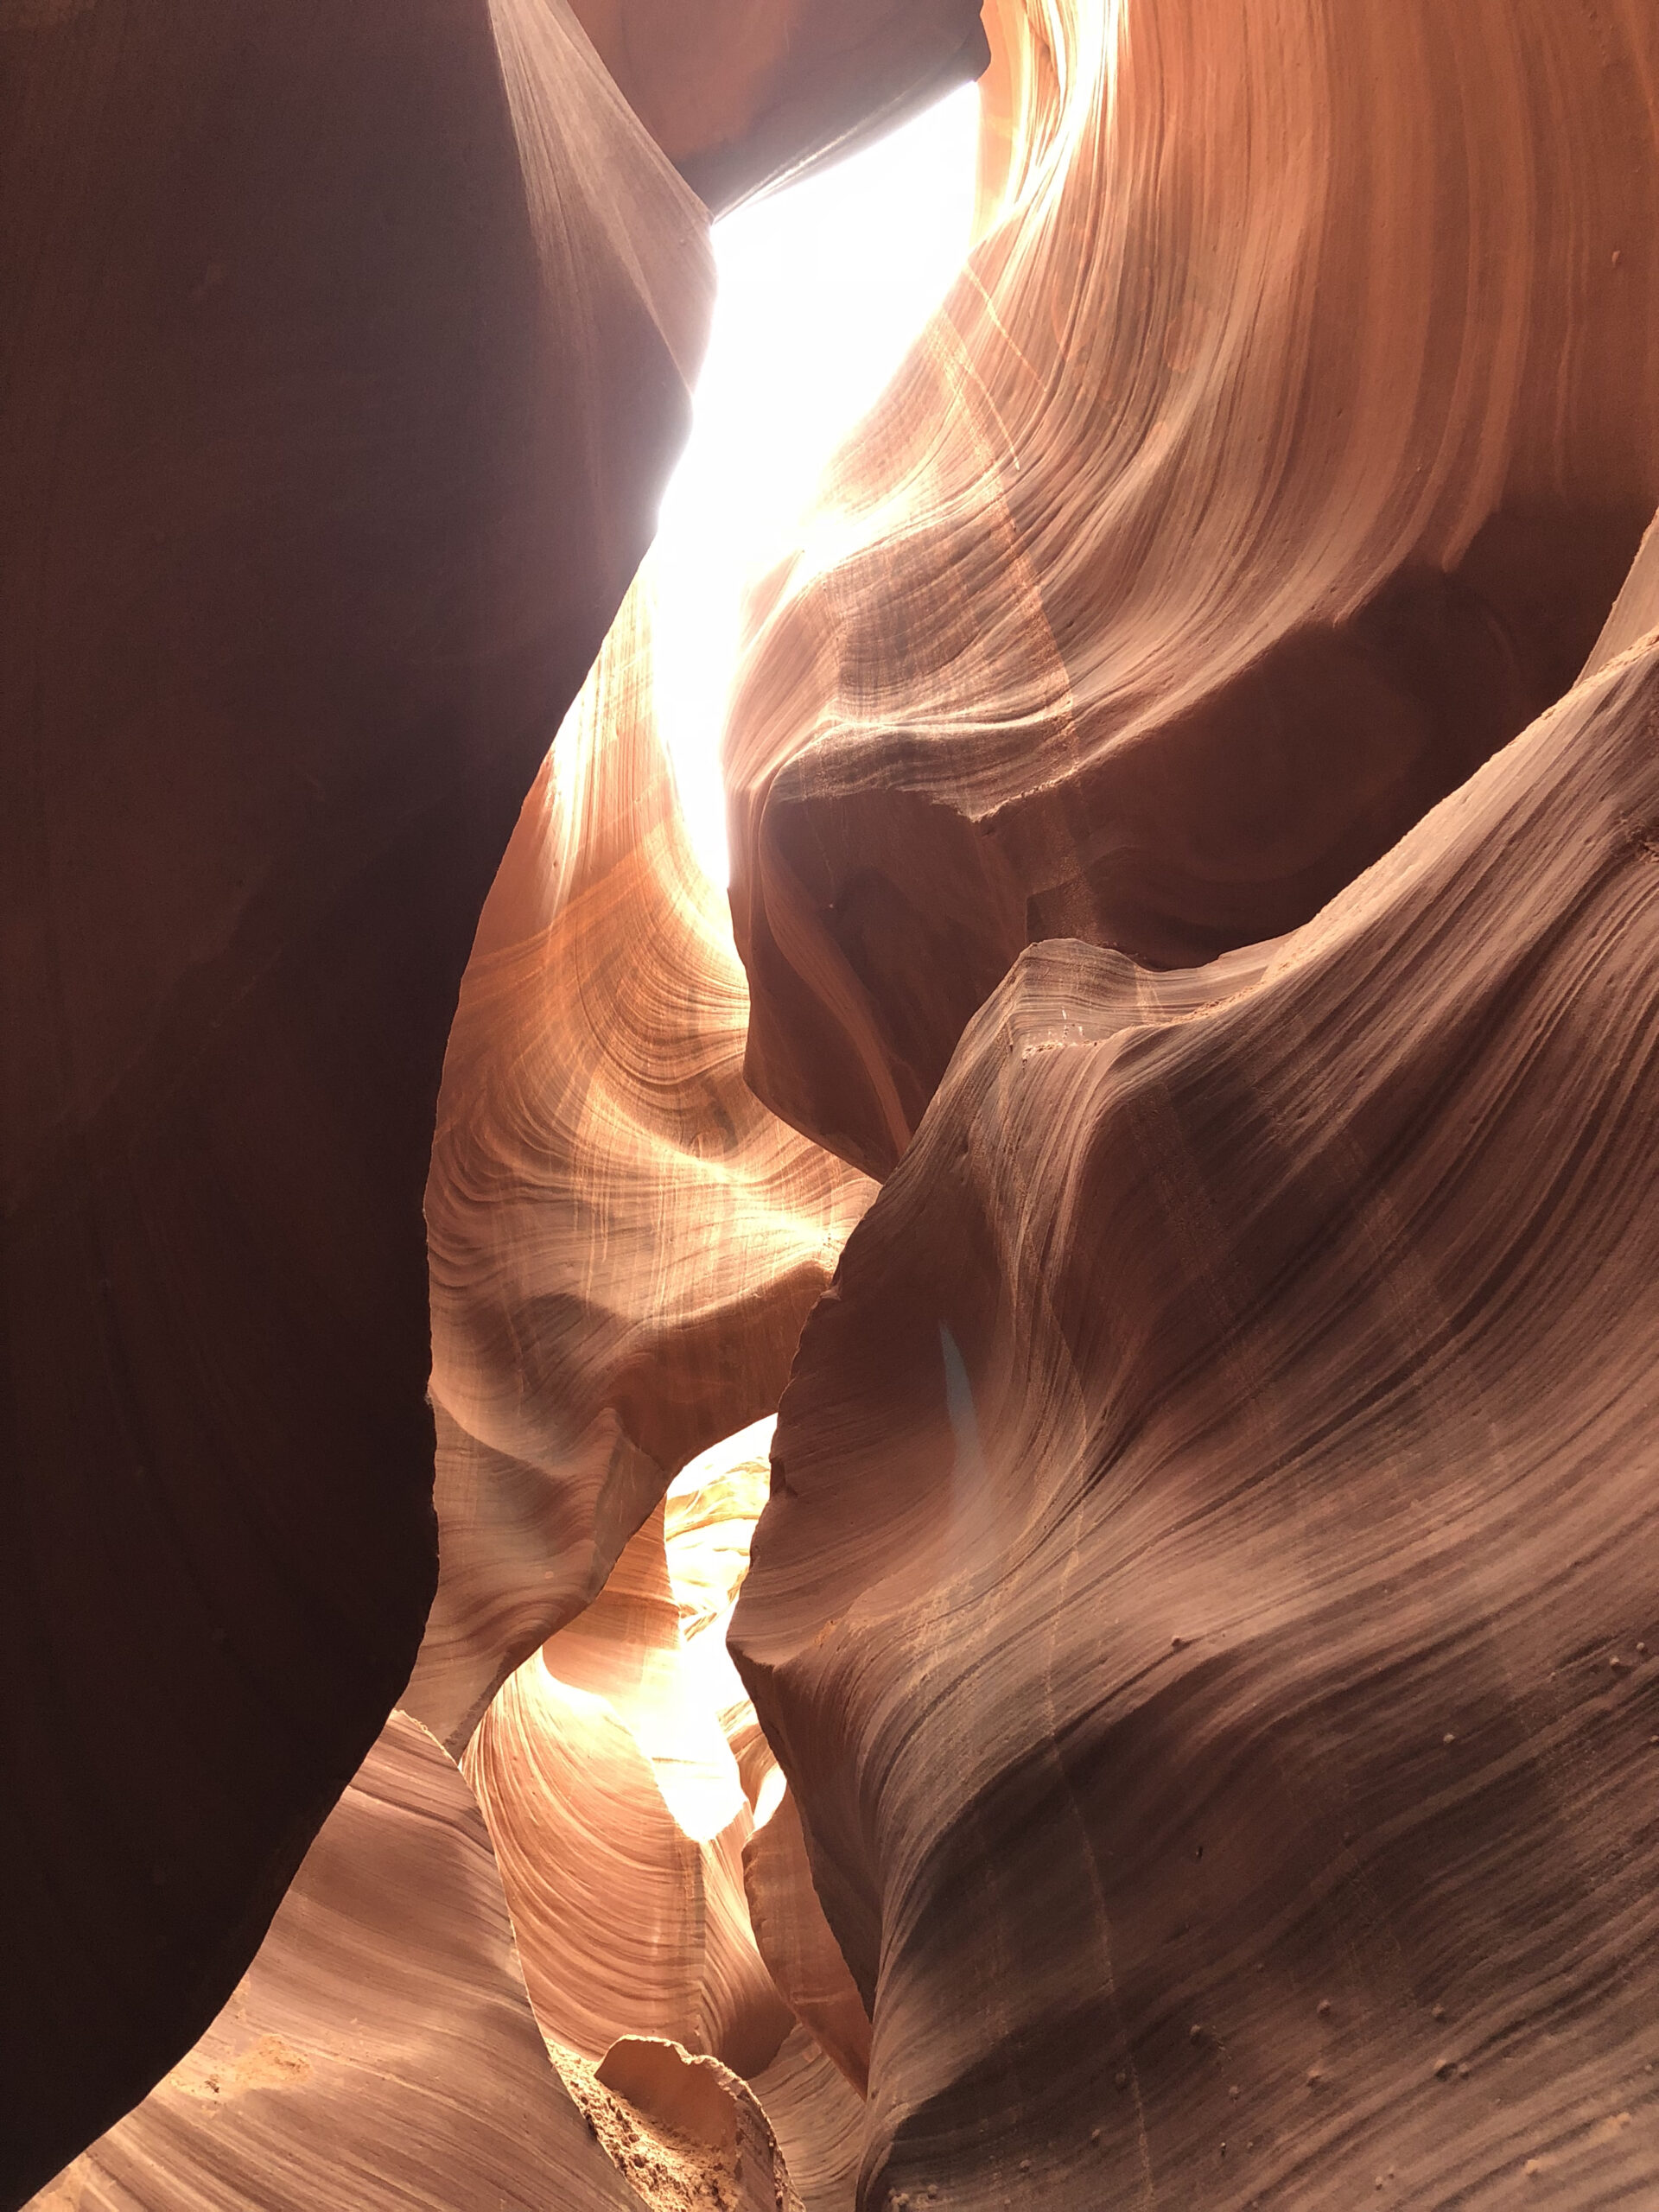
1165	1123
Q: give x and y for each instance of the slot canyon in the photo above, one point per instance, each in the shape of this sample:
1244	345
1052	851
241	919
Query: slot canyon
971	1522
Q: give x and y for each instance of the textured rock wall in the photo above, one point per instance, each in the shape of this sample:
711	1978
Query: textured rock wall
1206	1610
618	1818
1276	459
1207	1607
624	1241
380	2052
400	2040
798	1946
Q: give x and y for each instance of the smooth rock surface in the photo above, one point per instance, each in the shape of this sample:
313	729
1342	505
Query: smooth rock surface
381	2050
618	1818
800	1950
819	2118
1207	1606
346	355
624	1242
1276	460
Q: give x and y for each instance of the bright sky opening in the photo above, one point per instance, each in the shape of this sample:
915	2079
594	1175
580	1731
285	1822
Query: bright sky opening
822	288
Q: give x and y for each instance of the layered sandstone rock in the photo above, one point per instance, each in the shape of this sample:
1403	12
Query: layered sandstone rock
819	2118
627	1785
1206	1613
624	1241
1206	1610
381	2050
347	354
795	1941
619	1816
1276	459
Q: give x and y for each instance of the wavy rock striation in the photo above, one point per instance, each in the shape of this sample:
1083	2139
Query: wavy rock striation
624	1241
346	355
1204	1621
819	2118
618	1817
1274	461
381	2050
1207	1610
627	1785
800	1950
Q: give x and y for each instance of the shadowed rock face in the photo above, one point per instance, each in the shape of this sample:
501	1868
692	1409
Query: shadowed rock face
739	97
1207	1608
1276	460
380	2052
800	1950
346	355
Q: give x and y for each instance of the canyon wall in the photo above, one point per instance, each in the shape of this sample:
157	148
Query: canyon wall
1276	458
1203	1623
381	2051
1206	1608
346	358
533	1982
624	1242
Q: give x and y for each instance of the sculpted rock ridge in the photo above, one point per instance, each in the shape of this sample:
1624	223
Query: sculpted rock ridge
1211	1555
624	1242
1274	460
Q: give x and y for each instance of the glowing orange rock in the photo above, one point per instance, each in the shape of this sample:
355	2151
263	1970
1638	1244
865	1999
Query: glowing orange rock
380	2051
1276	460
624	1242
618	1819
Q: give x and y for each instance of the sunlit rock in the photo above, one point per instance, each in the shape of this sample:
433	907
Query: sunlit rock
1205	1609
624	1241
380	2052
1276	459
619	1815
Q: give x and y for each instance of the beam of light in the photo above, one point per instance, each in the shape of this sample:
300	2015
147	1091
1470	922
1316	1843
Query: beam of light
822	288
